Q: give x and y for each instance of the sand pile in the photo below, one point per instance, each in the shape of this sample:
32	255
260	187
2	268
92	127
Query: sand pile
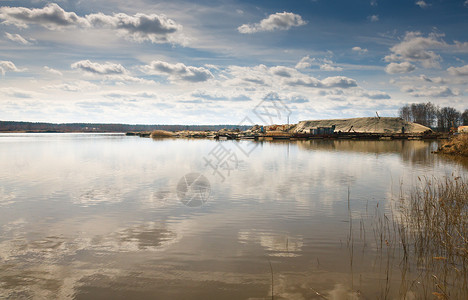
368	125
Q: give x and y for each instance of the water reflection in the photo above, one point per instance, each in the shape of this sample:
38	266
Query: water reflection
97	216
416	151
274	243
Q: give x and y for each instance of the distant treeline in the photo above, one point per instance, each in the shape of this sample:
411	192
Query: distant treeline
427	114
13	126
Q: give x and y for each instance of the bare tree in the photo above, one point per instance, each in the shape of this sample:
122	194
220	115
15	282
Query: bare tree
421	113
428	114
464	118
405	113
447	118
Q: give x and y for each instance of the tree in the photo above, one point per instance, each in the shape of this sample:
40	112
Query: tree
421	113
405	113
447	118
464	118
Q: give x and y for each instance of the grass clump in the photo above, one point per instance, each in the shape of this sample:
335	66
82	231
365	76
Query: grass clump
433	232
456	146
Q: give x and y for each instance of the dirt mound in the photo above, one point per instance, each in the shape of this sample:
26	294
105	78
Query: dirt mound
369	125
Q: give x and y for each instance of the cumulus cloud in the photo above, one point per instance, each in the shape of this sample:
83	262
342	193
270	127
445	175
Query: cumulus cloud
306	81
329	67
52	71
434	80
329	82
416	48
99	69
178	71
359	50
278	21
51	16
339	81
460	71
375	95
305	62
139	27
434	92
398	68
17	38
6	65
374	18
422	4
282	71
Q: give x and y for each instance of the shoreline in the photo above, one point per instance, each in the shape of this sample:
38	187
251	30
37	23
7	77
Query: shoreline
275	135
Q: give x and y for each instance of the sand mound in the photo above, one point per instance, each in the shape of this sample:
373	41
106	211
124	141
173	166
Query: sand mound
369	125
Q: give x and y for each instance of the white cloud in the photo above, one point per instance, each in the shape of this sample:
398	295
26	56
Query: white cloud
373	3
99	69
52	71
16	93
434	92
375	95
460	71
422	4
306	82
17	38
466	3
329	82
374	18
339	81
359	50
328	67
140	27
178	71
77	86
415	47
278	21
438	80
282	78
219	96
404	67
51	16
282	71
7	66
305	62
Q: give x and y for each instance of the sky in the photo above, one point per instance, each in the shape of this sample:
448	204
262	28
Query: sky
212	62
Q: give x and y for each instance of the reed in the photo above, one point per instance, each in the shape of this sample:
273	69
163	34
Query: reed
433	233
422	243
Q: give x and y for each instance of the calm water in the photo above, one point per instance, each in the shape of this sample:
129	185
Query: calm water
99	216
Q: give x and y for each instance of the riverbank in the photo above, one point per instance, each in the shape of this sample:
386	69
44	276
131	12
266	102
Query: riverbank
284	135
378	128
457	146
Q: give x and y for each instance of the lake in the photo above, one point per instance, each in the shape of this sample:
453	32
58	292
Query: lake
106	216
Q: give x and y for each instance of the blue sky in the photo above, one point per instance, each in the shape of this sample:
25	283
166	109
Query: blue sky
210	62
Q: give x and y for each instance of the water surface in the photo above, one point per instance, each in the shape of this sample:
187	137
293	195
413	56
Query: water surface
100	216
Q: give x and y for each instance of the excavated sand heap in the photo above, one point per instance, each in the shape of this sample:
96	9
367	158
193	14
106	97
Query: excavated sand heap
366	125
